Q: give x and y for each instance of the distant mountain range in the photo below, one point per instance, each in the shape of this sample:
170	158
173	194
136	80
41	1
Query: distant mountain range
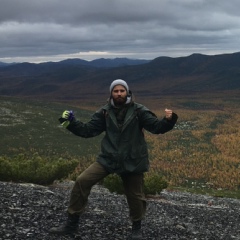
99	63
3	64
80	79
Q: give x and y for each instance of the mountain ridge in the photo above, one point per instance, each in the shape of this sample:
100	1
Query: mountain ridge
196	73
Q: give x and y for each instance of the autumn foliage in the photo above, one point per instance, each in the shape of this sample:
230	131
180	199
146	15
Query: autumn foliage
204	147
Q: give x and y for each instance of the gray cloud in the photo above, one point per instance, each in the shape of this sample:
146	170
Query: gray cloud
45	30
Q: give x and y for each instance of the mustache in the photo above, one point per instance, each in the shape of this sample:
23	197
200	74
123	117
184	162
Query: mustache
123	98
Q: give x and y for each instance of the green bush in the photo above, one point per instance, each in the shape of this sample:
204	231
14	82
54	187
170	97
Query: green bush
113	183
153	183
35	168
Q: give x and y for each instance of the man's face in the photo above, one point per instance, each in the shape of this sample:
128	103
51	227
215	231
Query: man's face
119	95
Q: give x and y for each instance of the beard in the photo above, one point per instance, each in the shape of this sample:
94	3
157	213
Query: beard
119	101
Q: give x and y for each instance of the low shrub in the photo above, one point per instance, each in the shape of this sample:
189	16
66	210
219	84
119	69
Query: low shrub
113	183
35	168
154	183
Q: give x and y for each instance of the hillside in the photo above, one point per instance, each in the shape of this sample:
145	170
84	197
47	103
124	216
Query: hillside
75	79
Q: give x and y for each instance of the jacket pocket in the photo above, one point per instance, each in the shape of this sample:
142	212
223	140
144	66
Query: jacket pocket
139	152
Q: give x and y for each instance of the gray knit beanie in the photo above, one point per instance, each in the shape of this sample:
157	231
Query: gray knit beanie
118	82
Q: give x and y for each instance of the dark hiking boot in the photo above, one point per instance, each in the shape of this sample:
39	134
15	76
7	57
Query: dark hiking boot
69	227
136	230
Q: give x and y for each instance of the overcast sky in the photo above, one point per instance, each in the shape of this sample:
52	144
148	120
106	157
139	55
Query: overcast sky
52	30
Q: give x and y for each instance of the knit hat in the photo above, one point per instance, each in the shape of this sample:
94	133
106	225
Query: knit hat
118	82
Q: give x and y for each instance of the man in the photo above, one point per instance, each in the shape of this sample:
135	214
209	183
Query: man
123	151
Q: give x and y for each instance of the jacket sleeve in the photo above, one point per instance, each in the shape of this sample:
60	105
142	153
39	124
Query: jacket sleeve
92	128
151	123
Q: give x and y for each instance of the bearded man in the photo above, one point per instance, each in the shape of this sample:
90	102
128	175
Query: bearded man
123	151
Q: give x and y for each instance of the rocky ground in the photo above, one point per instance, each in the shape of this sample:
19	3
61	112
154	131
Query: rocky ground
28	211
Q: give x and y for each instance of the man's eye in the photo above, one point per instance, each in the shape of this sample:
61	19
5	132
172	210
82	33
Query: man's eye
116	91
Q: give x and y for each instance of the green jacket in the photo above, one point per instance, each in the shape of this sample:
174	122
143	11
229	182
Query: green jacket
123	150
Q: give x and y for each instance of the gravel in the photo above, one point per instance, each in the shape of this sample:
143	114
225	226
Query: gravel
28	211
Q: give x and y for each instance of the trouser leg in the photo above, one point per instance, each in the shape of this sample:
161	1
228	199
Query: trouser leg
82	187
133	185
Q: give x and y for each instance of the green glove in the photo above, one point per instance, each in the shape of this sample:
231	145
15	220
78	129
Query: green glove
67	117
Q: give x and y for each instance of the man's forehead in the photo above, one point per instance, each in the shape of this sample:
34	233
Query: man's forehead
119	87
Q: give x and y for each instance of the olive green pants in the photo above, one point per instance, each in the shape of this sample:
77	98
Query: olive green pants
133	185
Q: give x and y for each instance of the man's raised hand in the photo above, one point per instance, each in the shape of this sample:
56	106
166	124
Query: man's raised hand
168	114
67	117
